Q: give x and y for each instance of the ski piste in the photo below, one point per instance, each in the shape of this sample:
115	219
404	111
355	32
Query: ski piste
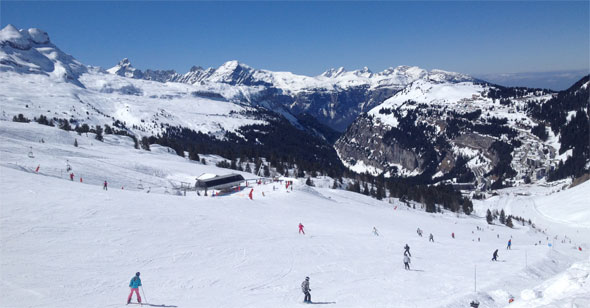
257	239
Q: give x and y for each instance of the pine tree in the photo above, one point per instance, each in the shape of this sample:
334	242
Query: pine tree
193	155
98	133
76	142
509	222
467	207
203	161
380	191
145	143
248	169
266	171
309	182
502	217
366	191
335	185
489	217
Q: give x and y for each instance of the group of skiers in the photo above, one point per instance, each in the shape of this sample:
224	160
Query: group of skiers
135	282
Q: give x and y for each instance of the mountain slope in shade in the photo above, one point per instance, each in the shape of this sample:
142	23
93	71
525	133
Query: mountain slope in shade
467	131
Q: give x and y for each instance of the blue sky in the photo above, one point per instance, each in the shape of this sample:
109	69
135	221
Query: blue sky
310	37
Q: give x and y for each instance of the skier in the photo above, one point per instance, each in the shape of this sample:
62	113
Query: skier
407	251
407	262
375	231
509	244
431	238
104	186
495	256
301	229
305	288
419	232
453	235
72	176
134	284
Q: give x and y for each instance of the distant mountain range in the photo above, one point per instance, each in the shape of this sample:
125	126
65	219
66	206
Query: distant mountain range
432	126
336	97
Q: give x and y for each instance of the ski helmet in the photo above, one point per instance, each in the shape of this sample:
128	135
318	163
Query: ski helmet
137	274
306	278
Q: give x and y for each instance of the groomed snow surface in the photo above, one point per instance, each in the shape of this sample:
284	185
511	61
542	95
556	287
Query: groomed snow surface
72	244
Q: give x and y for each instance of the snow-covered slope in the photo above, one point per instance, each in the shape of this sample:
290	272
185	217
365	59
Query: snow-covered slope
145	107
72	244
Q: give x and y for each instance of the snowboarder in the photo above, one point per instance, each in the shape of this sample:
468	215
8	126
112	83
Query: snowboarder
305	288
495	256
301	229
134	284
375	231
407	262
407	251
104	186
431	238
509	244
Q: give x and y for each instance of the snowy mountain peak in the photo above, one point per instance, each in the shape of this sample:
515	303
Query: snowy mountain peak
445	76
125	69
38	36
196	68
22	39
29	51
234	73
333	72
10	35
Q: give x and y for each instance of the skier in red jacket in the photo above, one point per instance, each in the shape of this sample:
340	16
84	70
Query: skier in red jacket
301	229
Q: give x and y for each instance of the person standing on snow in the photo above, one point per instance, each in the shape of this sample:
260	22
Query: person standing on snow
72	176
407	251
134	284
495	256
105	185
301	229
509	244
407	262
375	231
431	238
305	288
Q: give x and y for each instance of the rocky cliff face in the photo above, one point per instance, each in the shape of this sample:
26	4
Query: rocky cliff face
363	149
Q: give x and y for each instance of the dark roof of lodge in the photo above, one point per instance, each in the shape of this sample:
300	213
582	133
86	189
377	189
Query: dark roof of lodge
220	180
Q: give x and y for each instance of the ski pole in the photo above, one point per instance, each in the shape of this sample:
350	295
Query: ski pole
142	291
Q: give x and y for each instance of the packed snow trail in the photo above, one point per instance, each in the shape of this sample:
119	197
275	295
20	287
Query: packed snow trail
67	244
